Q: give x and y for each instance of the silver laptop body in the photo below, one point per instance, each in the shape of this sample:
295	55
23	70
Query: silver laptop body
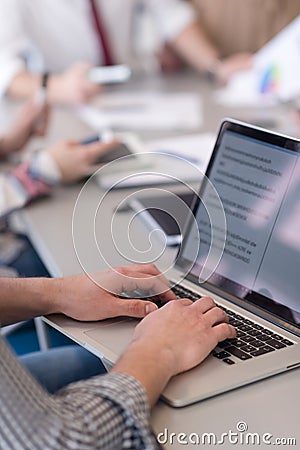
257	175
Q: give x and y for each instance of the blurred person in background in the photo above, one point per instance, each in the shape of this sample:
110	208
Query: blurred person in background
234	26
234	30
65	162
56	42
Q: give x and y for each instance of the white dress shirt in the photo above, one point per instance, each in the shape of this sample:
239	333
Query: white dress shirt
50	35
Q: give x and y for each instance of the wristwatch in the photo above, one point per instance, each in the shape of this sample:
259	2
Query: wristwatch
41	94
45	79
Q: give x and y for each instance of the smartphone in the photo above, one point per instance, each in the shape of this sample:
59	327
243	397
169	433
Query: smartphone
156	217
109	74
129	145
118	151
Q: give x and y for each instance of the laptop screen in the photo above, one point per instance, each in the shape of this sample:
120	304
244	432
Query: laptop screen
257	176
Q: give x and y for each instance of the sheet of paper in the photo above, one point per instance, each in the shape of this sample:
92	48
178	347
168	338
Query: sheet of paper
195	149
274	76
150	110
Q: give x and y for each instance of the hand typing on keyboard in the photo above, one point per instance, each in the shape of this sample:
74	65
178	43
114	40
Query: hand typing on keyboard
252	339
188	329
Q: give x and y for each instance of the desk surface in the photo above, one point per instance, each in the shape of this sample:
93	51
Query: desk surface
269	406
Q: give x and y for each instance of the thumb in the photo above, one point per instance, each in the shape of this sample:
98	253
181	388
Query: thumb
135	308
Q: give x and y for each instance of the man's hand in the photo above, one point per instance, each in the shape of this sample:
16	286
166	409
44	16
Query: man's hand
32	120
188	330
171	340
72	86
96	296
75	160
166	342
232	64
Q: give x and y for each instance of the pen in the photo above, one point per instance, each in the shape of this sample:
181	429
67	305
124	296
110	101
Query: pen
105	136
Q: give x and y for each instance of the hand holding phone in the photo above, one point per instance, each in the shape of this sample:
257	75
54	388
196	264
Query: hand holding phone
128	144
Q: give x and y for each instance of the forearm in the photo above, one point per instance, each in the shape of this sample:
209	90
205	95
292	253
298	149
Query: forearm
195	48
24	85
23	299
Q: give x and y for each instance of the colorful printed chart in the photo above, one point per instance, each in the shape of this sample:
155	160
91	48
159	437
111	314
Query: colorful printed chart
275	73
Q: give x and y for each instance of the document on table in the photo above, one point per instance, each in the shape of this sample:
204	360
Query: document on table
194	148
181	158
147	111
274	76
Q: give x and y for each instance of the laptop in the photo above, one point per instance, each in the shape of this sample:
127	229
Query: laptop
256	174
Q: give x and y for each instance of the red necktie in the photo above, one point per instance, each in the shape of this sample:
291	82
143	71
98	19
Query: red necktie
102	35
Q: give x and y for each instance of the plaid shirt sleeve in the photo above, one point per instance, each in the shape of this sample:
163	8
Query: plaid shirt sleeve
27	182
106	412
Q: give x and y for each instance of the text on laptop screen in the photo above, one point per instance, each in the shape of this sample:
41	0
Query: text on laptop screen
259	186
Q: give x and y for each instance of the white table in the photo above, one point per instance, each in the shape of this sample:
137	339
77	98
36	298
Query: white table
270	406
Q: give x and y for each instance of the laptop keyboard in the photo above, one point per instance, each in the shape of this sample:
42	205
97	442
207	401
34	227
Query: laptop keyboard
252	339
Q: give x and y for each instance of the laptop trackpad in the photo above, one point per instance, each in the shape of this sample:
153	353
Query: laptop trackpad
114	335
